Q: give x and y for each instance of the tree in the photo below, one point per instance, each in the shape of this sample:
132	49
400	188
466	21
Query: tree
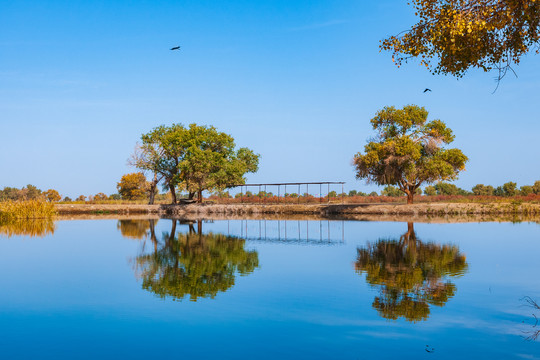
430	191
67	199
100	197
159	155
194	264
195	159
449	189
526	190
510	188
133	186
408	151
536	187
9	193
81	198
353	193
464	34
390	190
483	190
30	192
211	162
52	195
410	274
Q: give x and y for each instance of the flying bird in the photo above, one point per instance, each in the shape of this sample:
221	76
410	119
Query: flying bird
427	90
175	48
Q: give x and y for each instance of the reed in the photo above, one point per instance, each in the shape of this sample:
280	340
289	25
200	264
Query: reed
31	209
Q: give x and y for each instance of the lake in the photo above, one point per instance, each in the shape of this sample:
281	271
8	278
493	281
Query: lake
268	289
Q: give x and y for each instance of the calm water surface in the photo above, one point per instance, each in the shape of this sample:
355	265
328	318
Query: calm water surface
87	289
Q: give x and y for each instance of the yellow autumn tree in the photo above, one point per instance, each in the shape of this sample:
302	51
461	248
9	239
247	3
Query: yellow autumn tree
463	34
133	186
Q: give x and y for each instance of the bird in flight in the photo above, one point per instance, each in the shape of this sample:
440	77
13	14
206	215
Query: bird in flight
175	48
427	90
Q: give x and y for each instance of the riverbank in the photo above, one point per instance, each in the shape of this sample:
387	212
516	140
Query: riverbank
422	209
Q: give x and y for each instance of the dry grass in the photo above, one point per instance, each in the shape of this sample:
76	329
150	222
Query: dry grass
31	209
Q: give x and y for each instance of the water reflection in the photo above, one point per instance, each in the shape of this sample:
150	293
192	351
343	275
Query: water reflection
27	227
135	229
193	264
410	274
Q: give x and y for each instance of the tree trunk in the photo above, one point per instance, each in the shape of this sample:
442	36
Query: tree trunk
153	234
199	196
173	231
173	193
199	227
153	186
191	195
410	194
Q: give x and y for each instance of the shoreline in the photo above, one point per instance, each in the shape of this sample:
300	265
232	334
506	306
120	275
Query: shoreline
384	212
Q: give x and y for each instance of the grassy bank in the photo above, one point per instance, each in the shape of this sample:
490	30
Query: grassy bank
32	209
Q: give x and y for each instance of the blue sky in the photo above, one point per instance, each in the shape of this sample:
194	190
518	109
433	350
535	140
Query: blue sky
296	81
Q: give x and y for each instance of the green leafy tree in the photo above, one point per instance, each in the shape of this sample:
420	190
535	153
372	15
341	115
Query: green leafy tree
499	191
194	264
353	193
393	191
52	195
449	189
133	186
483	190
430	190
194	159
464	34
510	189
67	199
411	275
536	187
526	190
9	193
211	161
81	198
408	151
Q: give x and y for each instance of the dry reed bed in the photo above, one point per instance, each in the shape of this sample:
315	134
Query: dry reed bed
31	209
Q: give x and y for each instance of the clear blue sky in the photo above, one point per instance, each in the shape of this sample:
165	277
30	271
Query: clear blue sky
296	81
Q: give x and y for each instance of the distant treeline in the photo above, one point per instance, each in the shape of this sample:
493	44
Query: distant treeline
507	189
31	192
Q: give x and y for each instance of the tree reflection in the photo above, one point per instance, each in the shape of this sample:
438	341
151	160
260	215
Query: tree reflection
135	229
194	264
27	227
411	275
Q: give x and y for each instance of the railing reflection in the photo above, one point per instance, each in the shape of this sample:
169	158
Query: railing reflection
410	274
313	232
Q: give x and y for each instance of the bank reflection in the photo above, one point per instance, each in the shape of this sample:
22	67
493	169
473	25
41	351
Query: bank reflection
192	264
410	274
27	227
